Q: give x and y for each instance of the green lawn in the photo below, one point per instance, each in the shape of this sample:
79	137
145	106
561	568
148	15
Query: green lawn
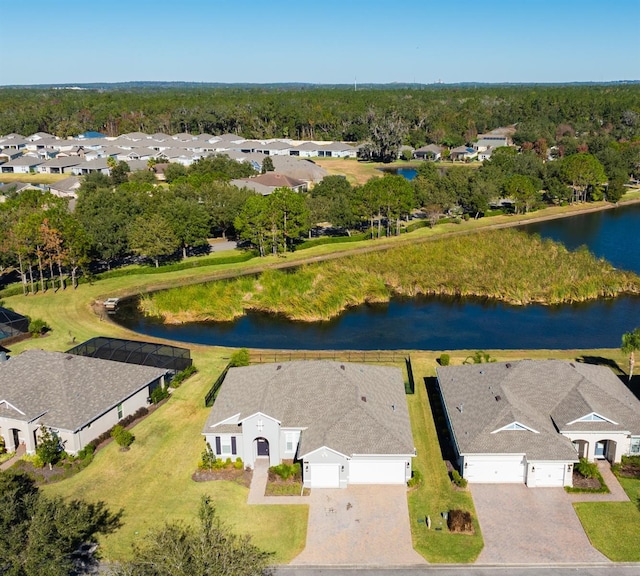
614	527
436	493
152	482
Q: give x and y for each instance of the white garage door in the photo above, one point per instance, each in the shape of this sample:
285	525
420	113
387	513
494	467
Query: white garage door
495	471
325	475
549	474
376	472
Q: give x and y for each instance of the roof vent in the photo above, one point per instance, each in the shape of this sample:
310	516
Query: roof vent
572	365
393	407
70	357
498	398
460	408
342	367
507	365
364	398
278	366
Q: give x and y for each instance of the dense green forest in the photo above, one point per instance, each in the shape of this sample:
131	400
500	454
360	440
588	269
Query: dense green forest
440	114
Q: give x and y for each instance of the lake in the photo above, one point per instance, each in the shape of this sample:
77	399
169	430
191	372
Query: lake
446	323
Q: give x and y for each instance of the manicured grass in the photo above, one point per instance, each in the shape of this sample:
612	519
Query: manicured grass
436	493
613	528
152	481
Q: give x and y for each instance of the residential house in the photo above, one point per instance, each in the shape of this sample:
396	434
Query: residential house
265	184
462	153
59	165
21	165
429	152
67	188
530	421
346	423
78	397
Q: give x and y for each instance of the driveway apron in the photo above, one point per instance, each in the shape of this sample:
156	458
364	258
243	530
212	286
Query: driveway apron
359	525
523	525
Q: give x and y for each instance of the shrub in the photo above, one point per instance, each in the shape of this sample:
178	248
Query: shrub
415	480
458	480
87	452
207	459
122	436
180	377
238	464
444	359
3	447
159	394
286	471
459	521
586	468
38	327
240	358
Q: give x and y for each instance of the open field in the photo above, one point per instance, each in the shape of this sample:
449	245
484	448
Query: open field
33	178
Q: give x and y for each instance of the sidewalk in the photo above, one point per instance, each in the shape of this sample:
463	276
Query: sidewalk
617	493
21	451
259	484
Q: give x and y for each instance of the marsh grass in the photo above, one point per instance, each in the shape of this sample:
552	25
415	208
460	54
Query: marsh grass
504	265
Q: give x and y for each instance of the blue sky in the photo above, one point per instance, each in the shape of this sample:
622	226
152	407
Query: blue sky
333	41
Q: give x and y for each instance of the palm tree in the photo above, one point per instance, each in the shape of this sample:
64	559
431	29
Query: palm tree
631	343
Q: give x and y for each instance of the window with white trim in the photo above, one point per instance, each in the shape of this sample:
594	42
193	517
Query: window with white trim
290	439
635	445
119	411
225	445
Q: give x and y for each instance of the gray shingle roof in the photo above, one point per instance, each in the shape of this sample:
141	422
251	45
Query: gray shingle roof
69	390
542	395
326	400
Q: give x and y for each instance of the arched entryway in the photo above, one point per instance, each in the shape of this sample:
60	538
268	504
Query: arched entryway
605	450
582	448
261	447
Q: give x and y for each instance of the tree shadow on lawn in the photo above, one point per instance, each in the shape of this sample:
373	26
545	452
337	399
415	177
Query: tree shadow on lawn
440	420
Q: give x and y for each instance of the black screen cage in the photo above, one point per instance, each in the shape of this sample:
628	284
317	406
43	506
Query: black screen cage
134	352
12	324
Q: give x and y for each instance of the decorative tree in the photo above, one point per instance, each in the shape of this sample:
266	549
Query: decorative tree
49	446
631	343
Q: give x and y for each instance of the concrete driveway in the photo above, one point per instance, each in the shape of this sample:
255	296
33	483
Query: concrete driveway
363	525
523	525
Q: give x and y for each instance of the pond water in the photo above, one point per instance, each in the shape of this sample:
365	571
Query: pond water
445	323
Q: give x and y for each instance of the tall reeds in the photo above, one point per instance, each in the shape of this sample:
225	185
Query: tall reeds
505	265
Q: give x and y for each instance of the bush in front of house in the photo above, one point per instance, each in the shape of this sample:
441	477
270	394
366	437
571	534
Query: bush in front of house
415	480
444	359
238	464
207	459
159	394
285	471
586	468
122	436
458	480
240	358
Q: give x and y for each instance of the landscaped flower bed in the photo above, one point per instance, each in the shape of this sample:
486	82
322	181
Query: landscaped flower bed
285	480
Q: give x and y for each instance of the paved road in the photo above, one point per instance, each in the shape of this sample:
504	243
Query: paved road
447	570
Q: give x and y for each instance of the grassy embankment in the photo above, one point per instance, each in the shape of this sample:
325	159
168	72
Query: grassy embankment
504	265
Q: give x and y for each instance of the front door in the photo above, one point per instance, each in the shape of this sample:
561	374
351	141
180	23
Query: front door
16	439
263	447
600	450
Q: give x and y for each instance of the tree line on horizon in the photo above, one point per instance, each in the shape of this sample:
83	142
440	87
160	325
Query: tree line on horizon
449	116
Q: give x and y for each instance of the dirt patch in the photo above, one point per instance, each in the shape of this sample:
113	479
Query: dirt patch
460	522
579	481
629	470
242	476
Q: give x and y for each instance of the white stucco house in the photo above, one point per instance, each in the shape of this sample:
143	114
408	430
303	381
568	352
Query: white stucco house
345	423
530	421
76	396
